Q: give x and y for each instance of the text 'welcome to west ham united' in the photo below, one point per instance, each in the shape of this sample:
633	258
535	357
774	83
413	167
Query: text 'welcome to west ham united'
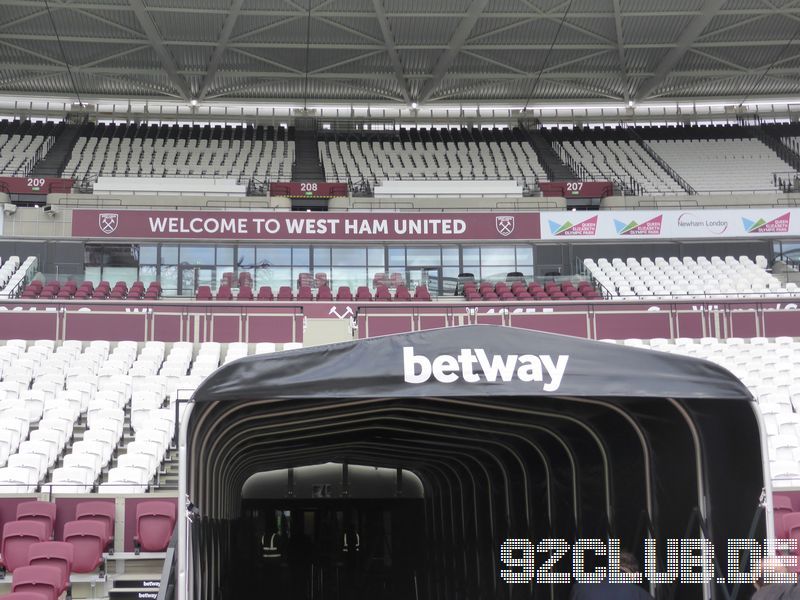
319	226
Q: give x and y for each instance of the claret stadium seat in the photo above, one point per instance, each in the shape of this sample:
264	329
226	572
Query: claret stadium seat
88	539
203	293
245	293
224	293
324	293
344	294
265	293
39	579
101	511
422	293
53	554
304	293
40	512
363	293
401	293
382	293
155	520
285	294
18	536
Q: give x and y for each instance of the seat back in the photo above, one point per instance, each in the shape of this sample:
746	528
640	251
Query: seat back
42	512
155	520
40	579
17	539
53	554
88	539
97	510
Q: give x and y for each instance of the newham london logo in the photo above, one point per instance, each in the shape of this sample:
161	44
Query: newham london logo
474	365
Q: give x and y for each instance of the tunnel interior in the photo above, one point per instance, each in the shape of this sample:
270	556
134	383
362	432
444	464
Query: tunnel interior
464	469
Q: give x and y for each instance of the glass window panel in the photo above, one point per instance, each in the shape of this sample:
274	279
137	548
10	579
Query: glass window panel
450	256
121	256
322	257
197	255
169	255
300	256
497	272
272	255
93	274
274	277
126	274
168	276
148	255
375	256
449	280
397	256
497	255
225	256
350	276
472	255
349	257
148	273
524	256
246	256
424	256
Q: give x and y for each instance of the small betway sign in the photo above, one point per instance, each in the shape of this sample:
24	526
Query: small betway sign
140	224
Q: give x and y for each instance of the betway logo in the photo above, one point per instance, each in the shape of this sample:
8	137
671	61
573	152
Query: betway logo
447	369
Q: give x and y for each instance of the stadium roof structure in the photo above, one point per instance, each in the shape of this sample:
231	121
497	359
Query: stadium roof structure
401	51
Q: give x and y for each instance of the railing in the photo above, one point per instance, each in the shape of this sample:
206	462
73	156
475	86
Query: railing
782	150
24	169
661	162
786	181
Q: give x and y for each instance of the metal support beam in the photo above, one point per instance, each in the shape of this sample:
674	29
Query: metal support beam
222	45
687	37
154	37
453	48
391	50
623	65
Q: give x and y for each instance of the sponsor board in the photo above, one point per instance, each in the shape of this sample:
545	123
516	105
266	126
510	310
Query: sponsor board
293	226
672	224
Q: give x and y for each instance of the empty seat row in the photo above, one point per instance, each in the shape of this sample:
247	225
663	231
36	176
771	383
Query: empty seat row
69	290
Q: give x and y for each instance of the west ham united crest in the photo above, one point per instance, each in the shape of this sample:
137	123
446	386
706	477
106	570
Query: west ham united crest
109	221
505	225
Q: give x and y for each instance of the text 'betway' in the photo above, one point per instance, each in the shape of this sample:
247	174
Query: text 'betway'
471	363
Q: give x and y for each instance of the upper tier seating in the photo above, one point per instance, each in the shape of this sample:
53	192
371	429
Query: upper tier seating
770	368
609	154
695	278
82	405
168	151
13	273
744	165
21	143
430	154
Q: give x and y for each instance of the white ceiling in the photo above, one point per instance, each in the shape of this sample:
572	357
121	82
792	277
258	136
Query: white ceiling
425	51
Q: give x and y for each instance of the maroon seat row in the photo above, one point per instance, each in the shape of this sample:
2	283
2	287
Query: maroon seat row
69	290
518	290
42	565
324	294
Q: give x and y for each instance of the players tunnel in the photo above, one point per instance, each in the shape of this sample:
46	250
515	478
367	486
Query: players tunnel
397	466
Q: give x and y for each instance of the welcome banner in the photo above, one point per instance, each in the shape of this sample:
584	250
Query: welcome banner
291	226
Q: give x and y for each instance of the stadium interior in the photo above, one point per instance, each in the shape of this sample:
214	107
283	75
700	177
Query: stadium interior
331	299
